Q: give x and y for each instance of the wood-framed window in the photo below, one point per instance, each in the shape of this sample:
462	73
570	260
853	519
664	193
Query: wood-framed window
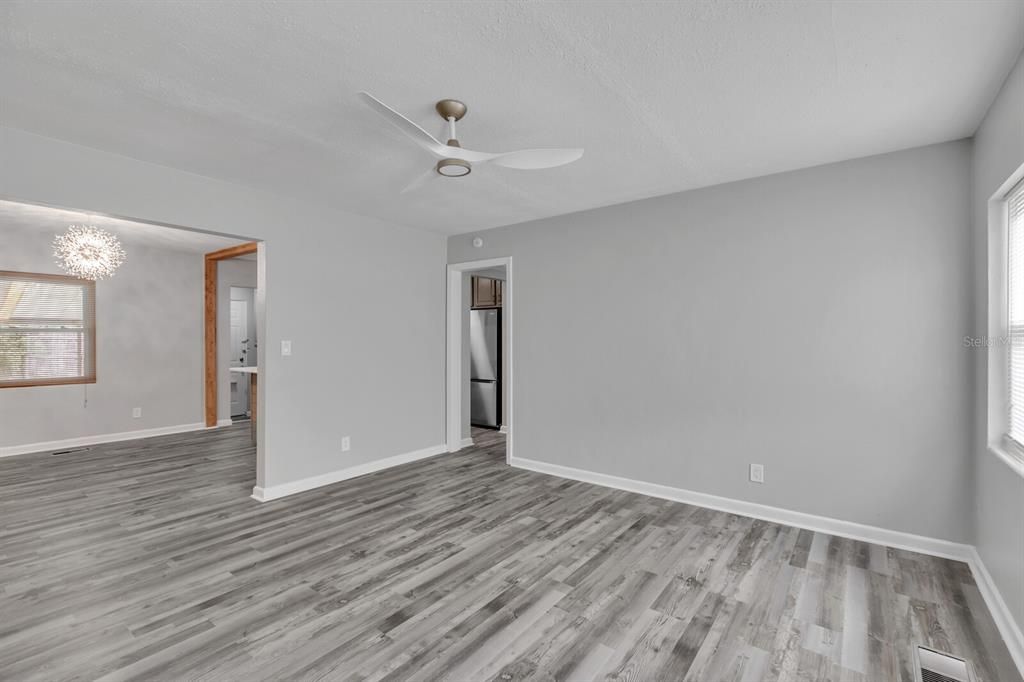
47	330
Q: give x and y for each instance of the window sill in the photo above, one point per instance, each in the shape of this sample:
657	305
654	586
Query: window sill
1015	463
34	383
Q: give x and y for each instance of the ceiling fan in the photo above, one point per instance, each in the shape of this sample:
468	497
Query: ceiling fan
456	162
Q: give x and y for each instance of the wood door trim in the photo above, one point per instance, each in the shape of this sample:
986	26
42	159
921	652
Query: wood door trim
210	323
232	251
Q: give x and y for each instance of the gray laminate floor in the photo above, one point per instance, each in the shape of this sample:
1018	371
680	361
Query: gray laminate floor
148	560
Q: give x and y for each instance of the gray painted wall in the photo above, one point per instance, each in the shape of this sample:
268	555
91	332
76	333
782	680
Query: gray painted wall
239	273
361	300
149	344
998	492
810	321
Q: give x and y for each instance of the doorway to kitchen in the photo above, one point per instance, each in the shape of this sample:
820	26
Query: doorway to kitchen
242	348
479	398
233	309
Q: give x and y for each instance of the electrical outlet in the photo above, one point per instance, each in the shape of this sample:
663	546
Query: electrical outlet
286	348
757	473
346	444
136	412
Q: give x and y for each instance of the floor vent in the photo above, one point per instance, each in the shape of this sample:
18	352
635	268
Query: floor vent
68	452
936	666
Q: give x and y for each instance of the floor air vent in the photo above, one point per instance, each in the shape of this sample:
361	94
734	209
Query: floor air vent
935	666
68	452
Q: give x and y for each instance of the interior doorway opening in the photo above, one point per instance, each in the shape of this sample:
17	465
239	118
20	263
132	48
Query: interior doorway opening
146	335
480	380
484	384
234	298
242	346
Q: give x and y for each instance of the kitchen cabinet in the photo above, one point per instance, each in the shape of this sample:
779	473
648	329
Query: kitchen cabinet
486	292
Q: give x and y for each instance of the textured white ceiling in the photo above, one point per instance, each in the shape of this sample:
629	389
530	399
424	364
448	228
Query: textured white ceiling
19	216
663	96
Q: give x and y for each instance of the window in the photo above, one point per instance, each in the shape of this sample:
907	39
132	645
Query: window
1015	313
47	330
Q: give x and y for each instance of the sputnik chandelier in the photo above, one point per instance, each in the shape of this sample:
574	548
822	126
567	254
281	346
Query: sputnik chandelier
88	252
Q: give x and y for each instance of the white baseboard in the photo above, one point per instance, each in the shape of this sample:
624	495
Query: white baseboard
1008	627
81	441
504	428
224	422
822	524
283	489
464	443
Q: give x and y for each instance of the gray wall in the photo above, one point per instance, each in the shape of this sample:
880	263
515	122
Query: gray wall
238	273
149	343
361	300
998	492
810	321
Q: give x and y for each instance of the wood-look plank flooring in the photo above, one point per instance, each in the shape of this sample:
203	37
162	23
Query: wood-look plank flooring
148	560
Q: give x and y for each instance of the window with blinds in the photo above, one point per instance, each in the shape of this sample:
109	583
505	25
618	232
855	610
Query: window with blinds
1015	313
47	330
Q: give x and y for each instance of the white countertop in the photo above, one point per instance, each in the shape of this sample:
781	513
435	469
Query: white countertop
243	370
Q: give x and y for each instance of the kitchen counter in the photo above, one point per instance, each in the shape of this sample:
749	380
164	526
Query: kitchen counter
252	372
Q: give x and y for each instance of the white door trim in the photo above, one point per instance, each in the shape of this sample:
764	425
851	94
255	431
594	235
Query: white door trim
453	369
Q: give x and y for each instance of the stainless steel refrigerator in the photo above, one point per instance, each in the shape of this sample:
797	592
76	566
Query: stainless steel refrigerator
485	367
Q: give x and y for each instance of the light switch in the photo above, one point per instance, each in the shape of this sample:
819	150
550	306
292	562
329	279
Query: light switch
286	348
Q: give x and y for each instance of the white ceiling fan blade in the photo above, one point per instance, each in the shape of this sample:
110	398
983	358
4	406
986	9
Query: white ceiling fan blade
419	180
468	155
417	134
533	159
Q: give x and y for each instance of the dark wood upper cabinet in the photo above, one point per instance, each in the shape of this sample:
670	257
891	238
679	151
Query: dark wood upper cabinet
486	292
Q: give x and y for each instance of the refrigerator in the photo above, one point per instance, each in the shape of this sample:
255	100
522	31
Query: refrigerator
485	367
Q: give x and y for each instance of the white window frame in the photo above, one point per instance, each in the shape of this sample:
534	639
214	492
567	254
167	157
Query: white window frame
996	344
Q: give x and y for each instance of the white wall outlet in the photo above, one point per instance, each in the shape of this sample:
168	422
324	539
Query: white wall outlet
286	348
136	412
346	444
757	473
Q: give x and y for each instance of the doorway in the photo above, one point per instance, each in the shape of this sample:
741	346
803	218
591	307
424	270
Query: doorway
243	344
234	322
479	396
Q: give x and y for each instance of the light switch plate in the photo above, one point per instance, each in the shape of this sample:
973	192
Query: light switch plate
286	348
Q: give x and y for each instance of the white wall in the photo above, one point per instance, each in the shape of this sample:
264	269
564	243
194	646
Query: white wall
233	272
810	321
361	300
998	491
149	342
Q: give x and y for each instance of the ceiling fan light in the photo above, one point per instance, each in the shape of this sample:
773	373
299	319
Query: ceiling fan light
453	168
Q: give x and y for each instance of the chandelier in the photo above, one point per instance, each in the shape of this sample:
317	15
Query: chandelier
88	252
